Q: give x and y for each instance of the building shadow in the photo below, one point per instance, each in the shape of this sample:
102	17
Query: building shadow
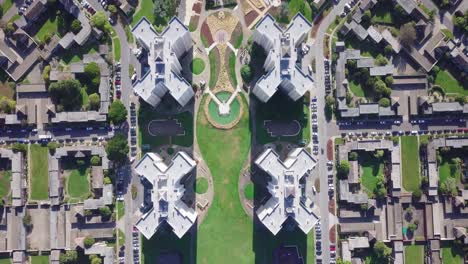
290	244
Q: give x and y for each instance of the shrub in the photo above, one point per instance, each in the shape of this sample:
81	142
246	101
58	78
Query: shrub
95	160
384	102
105	211
343	169
94	101
75	26
88	242
417	194
353	155
18	147
246	73
52	146
117	112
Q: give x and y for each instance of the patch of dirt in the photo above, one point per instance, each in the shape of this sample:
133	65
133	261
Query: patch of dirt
5	90
194	22
331	206
330	149
236	33
246	7
197	7
250	17
206	33
332	234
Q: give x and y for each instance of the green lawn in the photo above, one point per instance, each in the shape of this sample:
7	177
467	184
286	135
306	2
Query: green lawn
201	185
78	52
145	10
121	237
232	69
370	169
239	39
120	209
356	89
5	261
5	179
48	28
451	85
213	56
117	51
213	110
425	9
7	4
249	191
414	254
39	172
39	259
78	184
367	48
295	6
198	66
452	254
410	163
449	169
84	97
225	152
146	113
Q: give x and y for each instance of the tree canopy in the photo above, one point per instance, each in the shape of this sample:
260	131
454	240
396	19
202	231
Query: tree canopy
117	112
246	73
94	101
117	148
343	169
67	94
69	257
382	251
407	34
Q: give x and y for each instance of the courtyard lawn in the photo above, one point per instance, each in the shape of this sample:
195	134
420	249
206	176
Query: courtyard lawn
414	254
39	172
367	48
449	169
356	89
371	168
78	52
78	184
146	113
225	152
201	185
445	80
198	66
145	9
410	163
5	179
48	28
213	56
120	209
452	253
121	237
39	259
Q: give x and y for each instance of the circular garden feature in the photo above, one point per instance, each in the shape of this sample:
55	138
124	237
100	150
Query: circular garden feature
201	185
226	119
198	66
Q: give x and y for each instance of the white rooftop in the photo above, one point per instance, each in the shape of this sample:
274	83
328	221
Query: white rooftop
164	51
287	198
166	194
282	47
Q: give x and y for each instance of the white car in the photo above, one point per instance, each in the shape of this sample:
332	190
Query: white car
134	77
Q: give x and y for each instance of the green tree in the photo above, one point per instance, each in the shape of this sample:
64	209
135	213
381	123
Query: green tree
75	26
94	101
381	89
381	60
46	73
117	112
96	260
353	155
423	142
382	251
1	11
18	147
379	154
407	34
112	9
105	211
88	242
66	93
449	187
388	50
117	148
9	28
246	73
69	257
384	102
366	17
343	169
389	80
412	227
461	99
52	146
95	160
92	77
417	194
99	20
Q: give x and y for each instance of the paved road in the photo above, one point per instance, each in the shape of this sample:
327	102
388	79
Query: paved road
323	134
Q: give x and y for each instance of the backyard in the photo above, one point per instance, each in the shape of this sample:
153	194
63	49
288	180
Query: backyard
4	260
145	10
39	173
225	152
370	169
39	259
78	183
450	85
452	253
449	166
78	52
410	163
48	28
414	254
